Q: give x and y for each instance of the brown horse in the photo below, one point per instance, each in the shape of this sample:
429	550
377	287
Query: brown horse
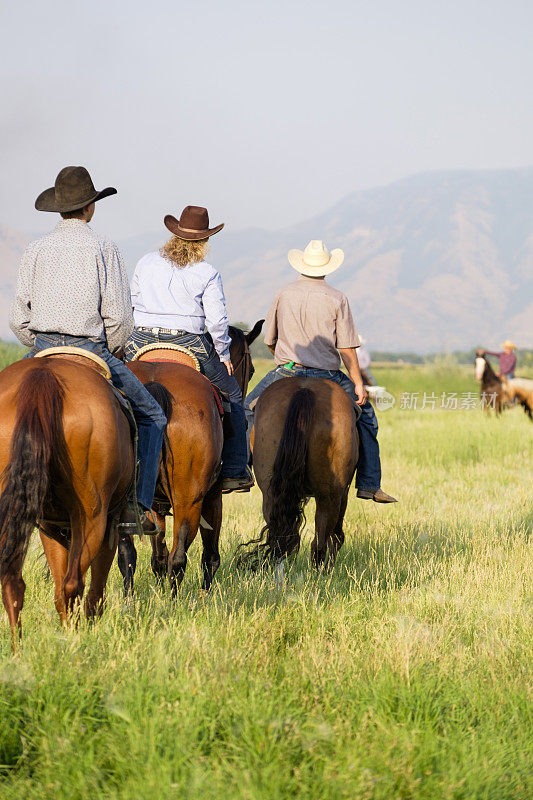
491	391
65	457
519	390
305	445
191	463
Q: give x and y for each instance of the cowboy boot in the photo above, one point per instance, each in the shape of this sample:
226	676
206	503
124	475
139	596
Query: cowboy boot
379	496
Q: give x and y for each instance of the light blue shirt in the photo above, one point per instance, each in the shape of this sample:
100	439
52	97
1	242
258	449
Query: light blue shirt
187	298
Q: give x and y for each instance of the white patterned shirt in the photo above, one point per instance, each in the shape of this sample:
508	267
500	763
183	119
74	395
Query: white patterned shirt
73	282
187	298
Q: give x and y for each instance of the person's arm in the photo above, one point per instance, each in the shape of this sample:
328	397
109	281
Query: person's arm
492	353
349	358
135	289
115	305
20	313
216	319
347	344
270	329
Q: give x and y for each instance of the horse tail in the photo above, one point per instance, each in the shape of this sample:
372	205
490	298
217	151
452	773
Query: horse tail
38	461
165	399
287	486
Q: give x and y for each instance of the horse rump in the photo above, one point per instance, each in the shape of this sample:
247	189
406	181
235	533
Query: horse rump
287	491
38	461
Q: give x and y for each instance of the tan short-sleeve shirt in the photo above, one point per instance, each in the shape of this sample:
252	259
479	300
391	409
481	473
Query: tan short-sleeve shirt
307	322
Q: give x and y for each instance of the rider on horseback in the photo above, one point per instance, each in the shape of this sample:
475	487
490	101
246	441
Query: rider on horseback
178	297
506	357
73	290
308	325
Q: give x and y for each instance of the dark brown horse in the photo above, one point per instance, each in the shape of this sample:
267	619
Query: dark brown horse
192	455
65	457
491	390
305	445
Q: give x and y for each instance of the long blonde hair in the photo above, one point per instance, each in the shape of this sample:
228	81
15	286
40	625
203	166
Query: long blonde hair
184	251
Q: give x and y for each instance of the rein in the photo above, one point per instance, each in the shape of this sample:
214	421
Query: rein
244	365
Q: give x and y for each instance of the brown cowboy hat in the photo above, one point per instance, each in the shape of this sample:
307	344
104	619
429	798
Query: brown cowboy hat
73	190
193	224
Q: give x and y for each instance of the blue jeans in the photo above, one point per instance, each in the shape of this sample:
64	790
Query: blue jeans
368	475
151	421
234	452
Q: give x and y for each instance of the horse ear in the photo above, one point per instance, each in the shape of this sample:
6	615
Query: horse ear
252	335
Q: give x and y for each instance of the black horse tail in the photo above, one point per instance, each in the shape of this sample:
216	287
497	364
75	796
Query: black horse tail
38	461
165	399
287	486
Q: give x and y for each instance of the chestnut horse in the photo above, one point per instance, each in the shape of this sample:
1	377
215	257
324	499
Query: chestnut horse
305	445
491	391
191	463
65	457
521	390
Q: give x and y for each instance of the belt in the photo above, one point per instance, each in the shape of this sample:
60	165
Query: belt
291	364
157	331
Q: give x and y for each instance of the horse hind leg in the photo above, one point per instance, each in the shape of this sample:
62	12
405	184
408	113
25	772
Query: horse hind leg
13	590
159	560
210	524
57	558
94	602
336	539
185	530
127	562
87	540
326	518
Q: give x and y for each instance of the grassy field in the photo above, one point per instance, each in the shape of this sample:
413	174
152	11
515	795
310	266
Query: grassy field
406	673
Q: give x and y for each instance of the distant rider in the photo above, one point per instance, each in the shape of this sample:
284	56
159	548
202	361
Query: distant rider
73	290
507	359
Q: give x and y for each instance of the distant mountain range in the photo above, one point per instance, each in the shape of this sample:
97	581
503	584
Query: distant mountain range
438	261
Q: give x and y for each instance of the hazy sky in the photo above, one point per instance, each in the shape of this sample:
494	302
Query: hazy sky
265	112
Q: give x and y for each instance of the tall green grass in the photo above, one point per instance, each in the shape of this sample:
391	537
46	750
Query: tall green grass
405	673
9	352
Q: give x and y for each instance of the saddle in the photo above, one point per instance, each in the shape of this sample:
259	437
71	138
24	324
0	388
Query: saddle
91	360
80	355
160	352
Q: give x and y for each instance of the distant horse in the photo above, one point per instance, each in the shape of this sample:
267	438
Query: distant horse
305	445
520	389
66	459
491	392
191	463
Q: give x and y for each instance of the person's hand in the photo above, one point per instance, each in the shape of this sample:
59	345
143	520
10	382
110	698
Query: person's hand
229	366
361	392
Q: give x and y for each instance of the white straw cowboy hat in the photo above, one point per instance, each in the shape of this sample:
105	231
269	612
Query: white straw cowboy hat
316	260
508	343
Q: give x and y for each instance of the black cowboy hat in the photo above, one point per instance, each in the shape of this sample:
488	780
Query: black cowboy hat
193	224
73	190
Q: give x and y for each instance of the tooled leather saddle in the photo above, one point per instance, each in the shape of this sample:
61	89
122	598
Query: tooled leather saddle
161	352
